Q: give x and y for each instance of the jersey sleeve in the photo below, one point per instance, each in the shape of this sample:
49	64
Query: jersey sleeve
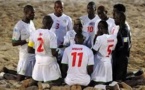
65	57
97	44
70	25
16	33
53	41
91	58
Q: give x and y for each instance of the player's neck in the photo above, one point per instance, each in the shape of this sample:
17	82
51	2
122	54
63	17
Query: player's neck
91	16
45	27
58	15
26	20
122	25
105	19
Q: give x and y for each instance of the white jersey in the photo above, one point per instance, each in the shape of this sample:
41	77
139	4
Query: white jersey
46	67
70	36
111	25
78	57
22	31
89	25
60	26
43	40
103	69
104	44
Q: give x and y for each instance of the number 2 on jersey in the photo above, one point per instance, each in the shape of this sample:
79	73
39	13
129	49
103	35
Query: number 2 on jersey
109	49
75	55
40	47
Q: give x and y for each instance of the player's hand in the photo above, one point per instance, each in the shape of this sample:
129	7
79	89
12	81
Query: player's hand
60	46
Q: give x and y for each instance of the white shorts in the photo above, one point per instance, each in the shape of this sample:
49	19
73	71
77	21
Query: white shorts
46	69
21	67
83	80
102	71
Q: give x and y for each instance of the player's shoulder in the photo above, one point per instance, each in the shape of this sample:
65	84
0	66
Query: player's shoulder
83	17
50	14
71	32
110	20
19	23
66	16
87	49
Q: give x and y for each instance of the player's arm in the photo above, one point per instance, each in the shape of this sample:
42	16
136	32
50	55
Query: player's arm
16	38
53	44
90	63
30	48
64	64
96	46
66	40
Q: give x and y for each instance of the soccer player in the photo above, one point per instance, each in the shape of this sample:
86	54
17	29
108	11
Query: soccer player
77	63
21	33
121	8
70	35
121	52
102	13
88	21
102	49
62	22
44	42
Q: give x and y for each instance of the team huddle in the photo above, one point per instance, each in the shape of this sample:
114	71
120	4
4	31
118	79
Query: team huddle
89	51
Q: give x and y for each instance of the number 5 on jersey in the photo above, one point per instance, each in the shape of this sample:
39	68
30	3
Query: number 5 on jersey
109	49
74	57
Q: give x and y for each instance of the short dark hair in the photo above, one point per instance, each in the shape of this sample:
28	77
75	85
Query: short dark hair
47	19
120	7
101	8
92	3
104	23
58	2
27	8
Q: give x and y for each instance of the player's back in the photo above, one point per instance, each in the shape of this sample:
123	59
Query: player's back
79	57
42	38
107	44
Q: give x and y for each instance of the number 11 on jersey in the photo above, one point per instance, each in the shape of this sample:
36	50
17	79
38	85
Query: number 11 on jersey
75	55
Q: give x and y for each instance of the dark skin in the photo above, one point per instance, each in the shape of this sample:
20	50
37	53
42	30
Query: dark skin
58	8
78	40
78	26
29	15
102	13
114	10
91	9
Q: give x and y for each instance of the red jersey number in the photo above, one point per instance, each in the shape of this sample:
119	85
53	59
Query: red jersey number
40	47
75	55
109	49
90	28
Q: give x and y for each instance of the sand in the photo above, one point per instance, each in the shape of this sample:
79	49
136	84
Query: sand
11	12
